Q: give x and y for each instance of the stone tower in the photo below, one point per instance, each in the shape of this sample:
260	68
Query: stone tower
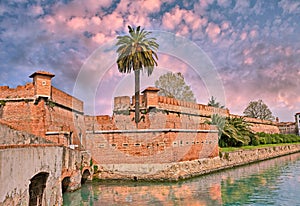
42	83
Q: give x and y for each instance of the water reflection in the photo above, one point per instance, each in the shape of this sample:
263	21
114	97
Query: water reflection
272	182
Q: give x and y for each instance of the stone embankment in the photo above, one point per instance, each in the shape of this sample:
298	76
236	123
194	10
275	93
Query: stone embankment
187	169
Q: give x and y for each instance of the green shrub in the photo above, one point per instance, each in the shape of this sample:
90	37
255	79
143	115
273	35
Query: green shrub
262	140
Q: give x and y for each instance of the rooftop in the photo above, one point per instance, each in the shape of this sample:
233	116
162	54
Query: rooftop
42	73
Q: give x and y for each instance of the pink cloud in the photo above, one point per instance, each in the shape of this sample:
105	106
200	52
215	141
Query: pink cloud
36	10
151	5
248	61
213	30
172	19
253	33
77	23
290	6
99	38
243	35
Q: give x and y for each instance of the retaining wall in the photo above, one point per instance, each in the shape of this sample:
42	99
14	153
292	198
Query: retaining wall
187	169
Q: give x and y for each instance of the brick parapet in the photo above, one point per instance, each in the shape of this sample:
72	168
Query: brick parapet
26	91
65	99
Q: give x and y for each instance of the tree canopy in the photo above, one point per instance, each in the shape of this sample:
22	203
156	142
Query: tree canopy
136	51
213	103
258	109
173	85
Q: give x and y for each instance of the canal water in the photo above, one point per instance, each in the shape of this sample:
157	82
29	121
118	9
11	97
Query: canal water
271	182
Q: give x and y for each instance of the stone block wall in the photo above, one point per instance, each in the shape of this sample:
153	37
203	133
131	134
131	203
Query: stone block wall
20	164
10	136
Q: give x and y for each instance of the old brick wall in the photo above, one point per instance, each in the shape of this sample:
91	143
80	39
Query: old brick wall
151	147
116	140
26	91
196	112
25	116
65	99
56	118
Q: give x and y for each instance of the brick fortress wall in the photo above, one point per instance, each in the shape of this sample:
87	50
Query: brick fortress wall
115	140
169	131
43	110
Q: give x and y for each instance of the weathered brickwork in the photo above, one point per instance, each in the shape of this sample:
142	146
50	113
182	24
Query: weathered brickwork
43	110
152	147
26	91
196	112
161	138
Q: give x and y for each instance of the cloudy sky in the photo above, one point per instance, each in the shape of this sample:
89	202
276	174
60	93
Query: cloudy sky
254	46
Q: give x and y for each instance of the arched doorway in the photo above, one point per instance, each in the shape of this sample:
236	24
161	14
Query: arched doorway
85	176
36	188
65	184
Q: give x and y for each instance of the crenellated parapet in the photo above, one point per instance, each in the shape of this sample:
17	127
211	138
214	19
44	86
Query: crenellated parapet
20	92
150	100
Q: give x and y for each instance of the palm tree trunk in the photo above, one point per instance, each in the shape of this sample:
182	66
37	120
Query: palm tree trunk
137	96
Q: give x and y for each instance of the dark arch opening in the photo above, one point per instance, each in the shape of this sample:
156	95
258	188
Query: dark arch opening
85	176
65	184
36	188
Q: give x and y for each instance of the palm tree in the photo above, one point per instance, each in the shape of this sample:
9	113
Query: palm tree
233	132
236	133
219	121
136	52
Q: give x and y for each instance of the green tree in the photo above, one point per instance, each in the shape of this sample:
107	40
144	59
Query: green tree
136	52
173	85
258	109
213	103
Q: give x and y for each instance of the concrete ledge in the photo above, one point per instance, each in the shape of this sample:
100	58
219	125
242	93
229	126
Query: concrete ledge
188	169
11	146
152	130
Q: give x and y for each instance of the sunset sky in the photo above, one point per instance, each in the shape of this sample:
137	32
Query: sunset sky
253	45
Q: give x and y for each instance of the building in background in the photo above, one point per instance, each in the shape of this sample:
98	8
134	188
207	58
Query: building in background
297	118
287	127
